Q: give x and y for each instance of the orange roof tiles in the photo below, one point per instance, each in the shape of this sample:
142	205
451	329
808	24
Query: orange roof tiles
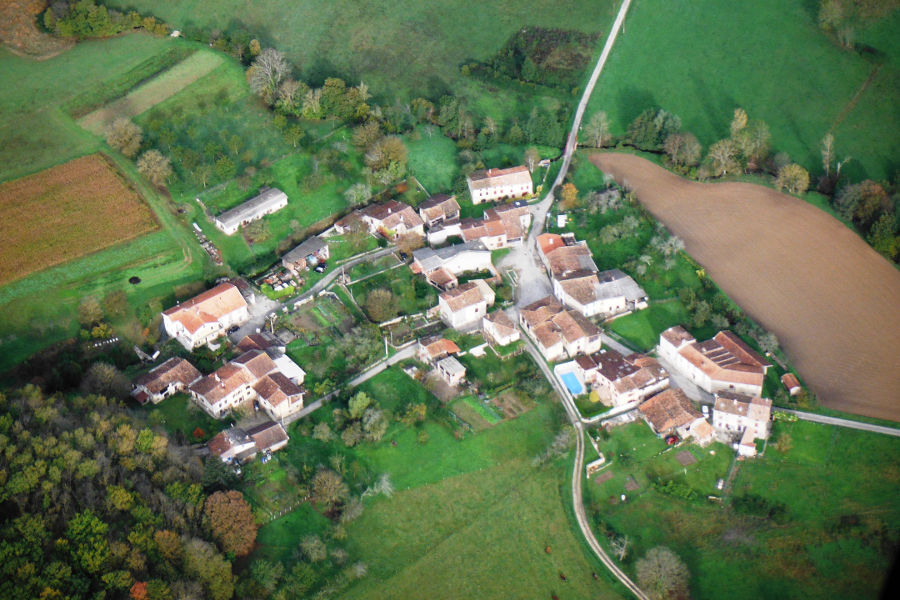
208	307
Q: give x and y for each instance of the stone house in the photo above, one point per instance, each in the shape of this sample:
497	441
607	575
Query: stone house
737	415
207	316
499	328
463	306
558	332
723	363
171	377
269	200
672	412
621	380
392	219
434	348
499	184
438	209
441	266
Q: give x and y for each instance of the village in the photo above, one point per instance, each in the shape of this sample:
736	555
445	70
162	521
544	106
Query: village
687	391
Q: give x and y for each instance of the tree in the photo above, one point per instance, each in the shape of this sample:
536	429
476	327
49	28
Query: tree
358	405
723	157
752	142
155	167
662	575
89	311
367	134
738	122
827	150
124	136
267	72
329	487
357	194
409	242
322	432
217	475
386	151
313	548
231	522
104	379
374	423
203	562
116	303
293	135
532	157
883	236
87	541
683	149
380	305
568	196
254	48
793	178
596	130
831	14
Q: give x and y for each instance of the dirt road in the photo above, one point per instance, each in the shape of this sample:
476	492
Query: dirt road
833	302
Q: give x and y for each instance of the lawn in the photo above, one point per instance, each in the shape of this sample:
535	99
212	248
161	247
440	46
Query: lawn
411	293
181	418
642	328
837	488
767	57
432	159
66	212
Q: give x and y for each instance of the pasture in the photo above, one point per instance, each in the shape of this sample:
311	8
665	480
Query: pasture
821	520
793	268
151	93
707	57
66	212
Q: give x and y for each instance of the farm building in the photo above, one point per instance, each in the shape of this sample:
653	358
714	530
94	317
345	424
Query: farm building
451	370
207	316
498	184
232	444
435	348
253	375
499	328
438	209
672	412
462	307
270	200
162	381
724	363
622	379
261	341
269	436
737	415
440	267
310	253
557	331
608	293
791	383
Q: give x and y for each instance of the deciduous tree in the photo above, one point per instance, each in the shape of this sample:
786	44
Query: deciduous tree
155	167
568	196
124	136
532	157
723	157
89	311
793	178
104	379
683	149
380	305
231	522
596	130
662	575
329	487
267	72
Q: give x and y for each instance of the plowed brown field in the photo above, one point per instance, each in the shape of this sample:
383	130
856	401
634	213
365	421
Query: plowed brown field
833	302
65	212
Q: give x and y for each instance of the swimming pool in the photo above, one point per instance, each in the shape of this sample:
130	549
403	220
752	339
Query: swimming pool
572	383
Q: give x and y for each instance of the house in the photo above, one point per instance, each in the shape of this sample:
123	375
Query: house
500	227
557	331
441	232
737	414
790	381
233	444
563	255
261	341
205	317
392	219
269	436
162	381
434	348
672	412
724	363
310	253
621	379
438	209
608	293
451	370
268	201
463	306
253	375
498	184
499	328
440	267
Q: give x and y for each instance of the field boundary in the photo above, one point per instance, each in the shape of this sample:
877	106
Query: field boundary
159	88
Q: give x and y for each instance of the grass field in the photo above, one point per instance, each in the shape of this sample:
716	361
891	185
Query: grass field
404	49
816	269
181	417
771	59
154	91
432	159
66	212
643	327
835	538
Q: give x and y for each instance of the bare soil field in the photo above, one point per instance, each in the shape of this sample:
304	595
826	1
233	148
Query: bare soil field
20	34
69	211
833	302
151	93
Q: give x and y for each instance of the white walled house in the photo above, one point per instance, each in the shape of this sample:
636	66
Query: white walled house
558	332
440	267
171	377
463	307
270	200
621	380
438	209
499	184
499	328
451	370
723	363
737	415
207	316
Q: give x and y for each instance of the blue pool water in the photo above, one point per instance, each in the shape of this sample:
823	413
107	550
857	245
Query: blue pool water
572	383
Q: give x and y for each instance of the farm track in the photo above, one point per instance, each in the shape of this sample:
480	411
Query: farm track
799	272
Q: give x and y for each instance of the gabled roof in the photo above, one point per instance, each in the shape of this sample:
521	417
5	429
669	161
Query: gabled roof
429	259
252	207
257	362
501	322
439	205
258	341
468	294
756	409
669	409
567	260
624	373
552	323
233	437
208	307
392	213
268	435
438	346
275	388
496	177
224	381
173	370
309	246
677	336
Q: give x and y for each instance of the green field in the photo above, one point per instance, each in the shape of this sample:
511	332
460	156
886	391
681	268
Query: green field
701	60
405	48
643	327
833	535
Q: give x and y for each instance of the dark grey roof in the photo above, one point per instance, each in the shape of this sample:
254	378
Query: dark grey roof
309	246
252	208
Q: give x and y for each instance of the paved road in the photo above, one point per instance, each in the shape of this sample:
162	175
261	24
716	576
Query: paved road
841	422
336	271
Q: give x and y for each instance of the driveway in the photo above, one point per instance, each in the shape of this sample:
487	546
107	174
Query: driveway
259	310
